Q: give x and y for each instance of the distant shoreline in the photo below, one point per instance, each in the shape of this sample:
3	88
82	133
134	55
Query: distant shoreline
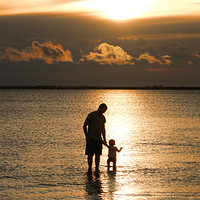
101	87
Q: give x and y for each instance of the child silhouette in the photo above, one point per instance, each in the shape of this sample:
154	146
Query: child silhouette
112	153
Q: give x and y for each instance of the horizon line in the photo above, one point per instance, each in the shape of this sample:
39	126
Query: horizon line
160	87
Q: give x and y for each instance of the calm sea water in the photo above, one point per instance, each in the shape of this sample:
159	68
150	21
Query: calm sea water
42	145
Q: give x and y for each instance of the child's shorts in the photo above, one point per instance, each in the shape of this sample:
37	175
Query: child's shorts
93	147
112	159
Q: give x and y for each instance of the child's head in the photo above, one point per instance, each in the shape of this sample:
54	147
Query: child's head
111	142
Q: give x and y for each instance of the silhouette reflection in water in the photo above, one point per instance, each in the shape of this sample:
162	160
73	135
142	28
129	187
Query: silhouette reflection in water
111	183
100	185
93	186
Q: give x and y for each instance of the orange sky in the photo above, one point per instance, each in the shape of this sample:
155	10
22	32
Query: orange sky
111	9
100	42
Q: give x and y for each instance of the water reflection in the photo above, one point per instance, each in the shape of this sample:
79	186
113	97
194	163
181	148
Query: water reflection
111	183
158	130
93	186
101	185
120	121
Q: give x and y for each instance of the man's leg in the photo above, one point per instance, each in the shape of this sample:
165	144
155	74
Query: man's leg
90	163
97	161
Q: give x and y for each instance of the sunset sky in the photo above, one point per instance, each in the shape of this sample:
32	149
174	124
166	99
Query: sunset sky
100	42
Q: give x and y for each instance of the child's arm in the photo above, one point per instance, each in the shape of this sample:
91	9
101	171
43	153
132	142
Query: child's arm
118	150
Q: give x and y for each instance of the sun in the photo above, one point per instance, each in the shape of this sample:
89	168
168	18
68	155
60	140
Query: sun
118	9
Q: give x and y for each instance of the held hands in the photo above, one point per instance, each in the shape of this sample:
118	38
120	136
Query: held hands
104	142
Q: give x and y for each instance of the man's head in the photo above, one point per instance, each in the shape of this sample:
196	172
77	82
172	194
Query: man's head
102	108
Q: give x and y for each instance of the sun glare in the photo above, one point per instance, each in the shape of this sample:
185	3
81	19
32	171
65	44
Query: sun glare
118	9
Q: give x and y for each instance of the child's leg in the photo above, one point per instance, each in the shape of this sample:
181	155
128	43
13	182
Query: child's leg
114	164
108	162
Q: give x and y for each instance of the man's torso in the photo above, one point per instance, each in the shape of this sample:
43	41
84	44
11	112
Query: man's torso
96	125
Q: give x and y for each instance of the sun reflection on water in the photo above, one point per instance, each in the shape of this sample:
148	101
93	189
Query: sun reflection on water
158	130
120	121
142	122
121	125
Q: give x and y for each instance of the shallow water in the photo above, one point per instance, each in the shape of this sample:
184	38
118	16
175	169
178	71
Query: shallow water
42	144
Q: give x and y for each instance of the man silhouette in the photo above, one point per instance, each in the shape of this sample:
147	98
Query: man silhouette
94	129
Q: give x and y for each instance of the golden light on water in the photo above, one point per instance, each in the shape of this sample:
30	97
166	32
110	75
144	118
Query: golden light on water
122	123
43	151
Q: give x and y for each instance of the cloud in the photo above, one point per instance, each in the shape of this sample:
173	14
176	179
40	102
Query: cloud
109	54
190	62
166	59
197	55
151	59
47	51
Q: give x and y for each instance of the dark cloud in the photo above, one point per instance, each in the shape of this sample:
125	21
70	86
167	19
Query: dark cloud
71	28
125	43
37	73
172	44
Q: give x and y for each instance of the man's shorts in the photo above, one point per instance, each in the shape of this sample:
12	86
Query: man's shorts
93	147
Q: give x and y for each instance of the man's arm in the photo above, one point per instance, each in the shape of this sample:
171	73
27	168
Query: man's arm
85	128
104	134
